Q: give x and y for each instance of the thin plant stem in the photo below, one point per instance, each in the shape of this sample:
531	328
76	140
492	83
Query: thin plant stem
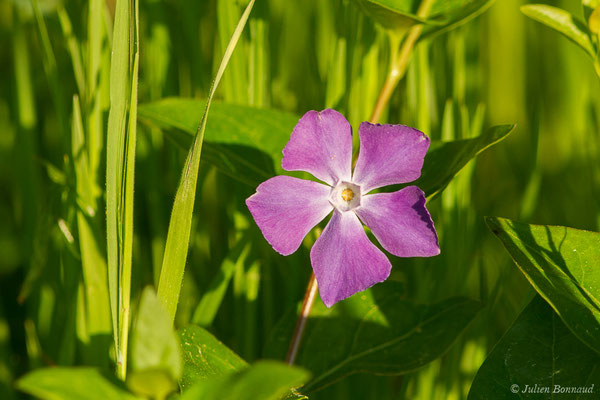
399	62
309	299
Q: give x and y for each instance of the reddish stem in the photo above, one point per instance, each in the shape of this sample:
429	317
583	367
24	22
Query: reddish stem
309	299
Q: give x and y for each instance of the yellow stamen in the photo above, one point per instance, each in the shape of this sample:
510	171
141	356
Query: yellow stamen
347	194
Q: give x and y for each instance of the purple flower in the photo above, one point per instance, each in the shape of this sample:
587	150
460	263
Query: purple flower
343	258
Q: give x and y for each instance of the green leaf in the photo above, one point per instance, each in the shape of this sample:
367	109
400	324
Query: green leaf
445	159
399	15
457	17
155	351
241	141
392	15
180	224
538	351
61	383
154	383
562	22
376	331
269	130
294	395
265	380
561	265
204	356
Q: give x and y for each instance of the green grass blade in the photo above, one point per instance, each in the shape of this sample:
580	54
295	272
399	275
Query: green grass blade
563	22
235	87
125	300
98	60
178	238
73	46
336	82
259	62
211	300
119	173
424	88
97	304
49	61
26	142
115	138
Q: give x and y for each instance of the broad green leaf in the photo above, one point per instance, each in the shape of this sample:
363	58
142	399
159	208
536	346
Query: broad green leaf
398	15
155	351
154	383
180	225
269	131
537	352
563	22
445	159
241	141
61	383
228	124
265	380
561	265
392	15
457	17
376	331
294	395
204	356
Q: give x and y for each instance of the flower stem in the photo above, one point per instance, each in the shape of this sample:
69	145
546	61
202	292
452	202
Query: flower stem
399	64
309	299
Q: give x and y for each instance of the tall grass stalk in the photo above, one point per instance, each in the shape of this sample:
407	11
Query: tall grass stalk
120	166
178	237
93	263
399	63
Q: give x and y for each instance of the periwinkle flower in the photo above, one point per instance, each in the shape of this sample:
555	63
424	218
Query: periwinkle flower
343	258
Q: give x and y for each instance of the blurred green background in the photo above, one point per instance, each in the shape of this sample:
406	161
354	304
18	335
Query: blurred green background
294	56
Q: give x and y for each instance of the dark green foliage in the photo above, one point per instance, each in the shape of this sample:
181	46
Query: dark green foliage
537	353
377	332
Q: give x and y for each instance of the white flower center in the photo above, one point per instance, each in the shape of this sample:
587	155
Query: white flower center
345	196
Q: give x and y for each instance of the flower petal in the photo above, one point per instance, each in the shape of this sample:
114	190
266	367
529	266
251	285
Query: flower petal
389	154
400	222
286	209
321	143
344	259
